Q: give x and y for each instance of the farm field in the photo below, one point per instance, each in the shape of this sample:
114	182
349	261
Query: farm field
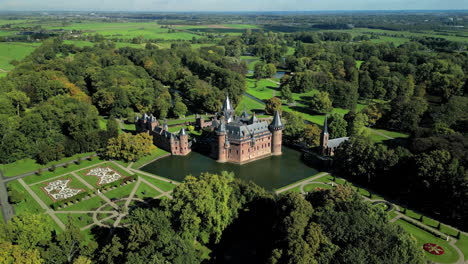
126	30
14	51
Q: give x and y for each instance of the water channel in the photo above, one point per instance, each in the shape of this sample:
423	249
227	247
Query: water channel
270	173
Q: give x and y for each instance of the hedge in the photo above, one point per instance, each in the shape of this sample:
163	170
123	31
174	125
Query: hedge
424	228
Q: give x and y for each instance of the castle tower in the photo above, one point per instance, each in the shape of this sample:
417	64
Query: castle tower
324	136
222	151
152	122
276	128
183	141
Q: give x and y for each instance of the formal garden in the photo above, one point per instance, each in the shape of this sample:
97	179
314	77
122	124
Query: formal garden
92	193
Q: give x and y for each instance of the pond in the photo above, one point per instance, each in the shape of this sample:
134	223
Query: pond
278	74
271	173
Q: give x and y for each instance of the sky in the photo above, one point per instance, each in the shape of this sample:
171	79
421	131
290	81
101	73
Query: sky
228	5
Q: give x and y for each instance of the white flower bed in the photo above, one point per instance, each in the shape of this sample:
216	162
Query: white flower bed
105	175
59	190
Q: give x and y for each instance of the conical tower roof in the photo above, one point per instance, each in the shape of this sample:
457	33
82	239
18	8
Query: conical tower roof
276	123
253	119
227	105
182	132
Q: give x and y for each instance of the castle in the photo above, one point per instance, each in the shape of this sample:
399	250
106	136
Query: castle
176	144
328	146
236	139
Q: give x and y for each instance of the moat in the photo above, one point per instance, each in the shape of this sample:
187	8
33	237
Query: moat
271	172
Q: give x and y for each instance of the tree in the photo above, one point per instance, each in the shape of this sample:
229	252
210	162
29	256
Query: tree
28	230
200	207
337	126
321	103
112	128
272	105
111	252
358	126
286	93
19	99
130	147
312	135
69	246
294	125
373	113
15	254
179	109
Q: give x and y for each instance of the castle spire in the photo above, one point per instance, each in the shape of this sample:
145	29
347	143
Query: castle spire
276	123
227	105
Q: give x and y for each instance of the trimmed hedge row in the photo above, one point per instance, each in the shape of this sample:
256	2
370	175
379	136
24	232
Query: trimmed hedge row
424	228
75	198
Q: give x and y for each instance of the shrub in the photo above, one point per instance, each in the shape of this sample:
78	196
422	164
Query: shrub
52	168
15	196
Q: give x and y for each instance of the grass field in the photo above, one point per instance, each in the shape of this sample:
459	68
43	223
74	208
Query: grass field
28	204
14	51
163	185
249	104
59	171
30	165
145	191
126	30
80	220
424	237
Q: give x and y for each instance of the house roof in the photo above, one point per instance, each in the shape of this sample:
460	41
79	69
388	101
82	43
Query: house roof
333	143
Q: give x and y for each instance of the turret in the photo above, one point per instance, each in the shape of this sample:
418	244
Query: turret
253	119
324	137
276	128
183	141
227	110
222	150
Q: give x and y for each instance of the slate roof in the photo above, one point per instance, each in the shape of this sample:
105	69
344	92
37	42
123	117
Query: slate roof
240	130
333	143
276	123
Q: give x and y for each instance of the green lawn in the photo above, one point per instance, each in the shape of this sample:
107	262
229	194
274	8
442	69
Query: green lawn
462	244
80	220
29	165
14	51
28	204
163	185
314	186
153	155
87	205
249	104
74	184
450	255
303	180
60	170
120	192
145	191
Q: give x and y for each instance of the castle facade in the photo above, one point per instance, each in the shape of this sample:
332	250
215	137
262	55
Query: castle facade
175	143
236	139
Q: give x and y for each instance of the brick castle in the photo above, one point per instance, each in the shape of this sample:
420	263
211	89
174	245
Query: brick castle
236	139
